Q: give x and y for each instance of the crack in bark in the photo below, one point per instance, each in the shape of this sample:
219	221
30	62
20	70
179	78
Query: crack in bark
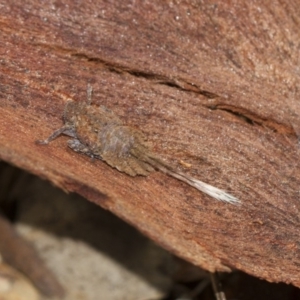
254	119
183	85
159	79
186	86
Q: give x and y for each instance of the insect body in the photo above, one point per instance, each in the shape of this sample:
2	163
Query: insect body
99	133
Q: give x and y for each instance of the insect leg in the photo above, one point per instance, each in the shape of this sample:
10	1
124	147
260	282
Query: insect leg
63	130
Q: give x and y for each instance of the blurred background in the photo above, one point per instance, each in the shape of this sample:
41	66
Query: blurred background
61	246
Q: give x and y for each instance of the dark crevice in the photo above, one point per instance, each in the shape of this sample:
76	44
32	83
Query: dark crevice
245	118
183	85
159	79
170	84
188	87
207	94
254	119
151	76
178	84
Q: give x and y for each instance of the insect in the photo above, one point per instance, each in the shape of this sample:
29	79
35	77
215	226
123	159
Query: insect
99	133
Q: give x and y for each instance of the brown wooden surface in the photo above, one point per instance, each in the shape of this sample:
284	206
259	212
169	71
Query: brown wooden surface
213	85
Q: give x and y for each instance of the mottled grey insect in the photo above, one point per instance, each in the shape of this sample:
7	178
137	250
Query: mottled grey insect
99	133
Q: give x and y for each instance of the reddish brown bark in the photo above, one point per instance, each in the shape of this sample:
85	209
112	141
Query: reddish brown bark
213	85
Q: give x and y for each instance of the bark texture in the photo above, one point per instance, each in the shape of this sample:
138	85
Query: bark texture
214	87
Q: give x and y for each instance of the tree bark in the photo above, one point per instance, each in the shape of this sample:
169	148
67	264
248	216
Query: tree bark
212	85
